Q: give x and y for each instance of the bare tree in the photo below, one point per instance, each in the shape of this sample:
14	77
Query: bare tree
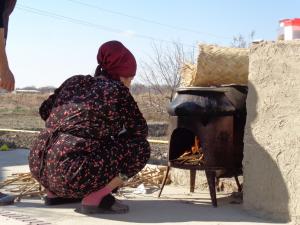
161	73
241	42
138	89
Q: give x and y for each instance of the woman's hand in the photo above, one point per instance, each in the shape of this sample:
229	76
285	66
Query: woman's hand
7	80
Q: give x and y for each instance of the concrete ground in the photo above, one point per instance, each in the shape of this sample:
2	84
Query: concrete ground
176	205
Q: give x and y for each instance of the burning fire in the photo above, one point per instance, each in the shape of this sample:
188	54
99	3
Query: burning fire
196	147
193	156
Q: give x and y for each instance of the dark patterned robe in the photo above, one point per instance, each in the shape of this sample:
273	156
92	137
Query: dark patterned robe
84	144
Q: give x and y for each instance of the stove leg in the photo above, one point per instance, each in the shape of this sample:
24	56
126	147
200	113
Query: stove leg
211	179
238	183
192	180
218	186
164	181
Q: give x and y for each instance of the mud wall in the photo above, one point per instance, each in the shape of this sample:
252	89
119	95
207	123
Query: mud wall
272	135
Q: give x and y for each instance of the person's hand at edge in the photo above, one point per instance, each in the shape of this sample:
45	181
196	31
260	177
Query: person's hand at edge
7	80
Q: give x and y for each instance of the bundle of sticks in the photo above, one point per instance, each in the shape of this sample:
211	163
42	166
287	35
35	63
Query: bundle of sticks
193	156
149	176
188	158
22	185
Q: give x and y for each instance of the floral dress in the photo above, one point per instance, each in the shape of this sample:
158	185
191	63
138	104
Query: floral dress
94	131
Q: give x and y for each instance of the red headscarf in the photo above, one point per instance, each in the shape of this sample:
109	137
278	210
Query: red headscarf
116	60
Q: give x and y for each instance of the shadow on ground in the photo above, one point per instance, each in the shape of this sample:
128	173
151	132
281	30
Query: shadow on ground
159	211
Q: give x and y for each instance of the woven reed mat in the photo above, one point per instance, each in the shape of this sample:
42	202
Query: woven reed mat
217	66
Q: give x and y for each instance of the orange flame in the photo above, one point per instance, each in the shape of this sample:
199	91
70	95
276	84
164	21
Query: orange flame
196	147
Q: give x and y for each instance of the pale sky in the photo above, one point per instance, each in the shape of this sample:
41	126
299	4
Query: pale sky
49	41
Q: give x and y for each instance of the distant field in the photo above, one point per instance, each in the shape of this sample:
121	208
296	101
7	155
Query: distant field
20	111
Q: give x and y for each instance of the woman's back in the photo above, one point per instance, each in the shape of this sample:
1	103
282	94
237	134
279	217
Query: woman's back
85	106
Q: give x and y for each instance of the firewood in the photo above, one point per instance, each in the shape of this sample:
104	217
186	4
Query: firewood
23	184
23	193
148	176
185	154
